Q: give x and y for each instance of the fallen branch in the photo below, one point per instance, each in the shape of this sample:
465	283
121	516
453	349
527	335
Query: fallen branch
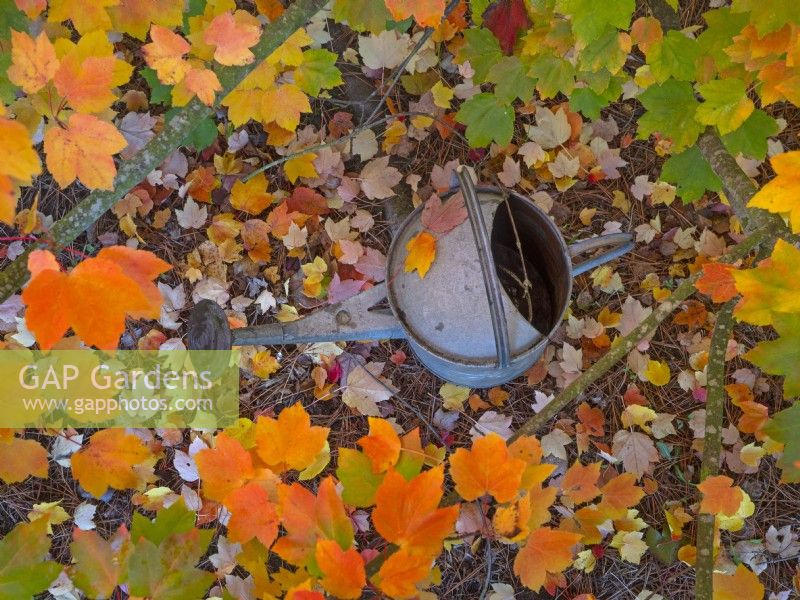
624	345
712	445
132	172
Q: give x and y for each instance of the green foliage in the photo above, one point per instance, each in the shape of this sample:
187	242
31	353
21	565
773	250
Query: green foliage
725	105
671	109
96	570
487	119
782	355
203	134
553	75
175	519
354	470
511	80
589	22
783	428
159	93
751	138
482	50
674	56
317	71
362	15
24	570
691	173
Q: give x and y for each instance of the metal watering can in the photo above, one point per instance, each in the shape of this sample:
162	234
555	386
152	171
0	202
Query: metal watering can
484	312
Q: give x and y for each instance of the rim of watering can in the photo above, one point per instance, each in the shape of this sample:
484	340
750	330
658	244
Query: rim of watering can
414	218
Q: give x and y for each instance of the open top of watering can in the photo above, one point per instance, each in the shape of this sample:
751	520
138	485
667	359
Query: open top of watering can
482	314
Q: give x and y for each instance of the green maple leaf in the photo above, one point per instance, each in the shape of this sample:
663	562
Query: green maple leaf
354	470
482	50
589	21
671	109
553	75
674	56
691	173
605	52
24	572
96	570
175	519
362	15
768	16
723	26
781	356
511	80
317	71
726	104
751	138
783	427
10	18
159	93
487	119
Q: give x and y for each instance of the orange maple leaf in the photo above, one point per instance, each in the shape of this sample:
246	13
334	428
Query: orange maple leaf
283	106
277	439
20	160
251	196
421	252
406	512
781	194
200	82
135	17
165	54
546	551
20	458
84	149
224	468
580	482
33	62
232	35
253	515
742	585
382	445
720	496
343	570
308	518
400	573
427	13
94	298
86	83
488	468
717	282
108	461
620	494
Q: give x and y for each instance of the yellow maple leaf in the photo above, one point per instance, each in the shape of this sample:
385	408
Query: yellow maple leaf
421	252
264	364
771	287
232	35
85	16
252	196
442	95
742	585
300	166
135	17
290	52
283	106
20	160
782	194
33	62
165	55
84	150
657	372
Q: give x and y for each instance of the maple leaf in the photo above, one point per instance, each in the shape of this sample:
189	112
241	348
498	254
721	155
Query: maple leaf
33	62
382	445
580	482
317	71
742	585
406	512
428	13
283	106
657	372
343	570
780	356
365	388
378	179
506	19
199	82
20	161
717	282
770	287
253	515
252	196
276	439
726	104
300	166
20	458
109	461
84	150
97	569
232	35
421	253
720	496
94	298
31	8
400	573
24	570
487	119
487	468
780	195
636	451
85	16
442	217
86	83
620	494
546	551
224	468
308	518
165	54
135	17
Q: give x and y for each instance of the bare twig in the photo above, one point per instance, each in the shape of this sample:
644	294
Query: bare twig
712	444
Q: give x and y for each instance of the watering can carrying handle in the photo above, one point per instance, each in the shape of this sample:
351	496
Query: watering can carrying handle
623	243
490	279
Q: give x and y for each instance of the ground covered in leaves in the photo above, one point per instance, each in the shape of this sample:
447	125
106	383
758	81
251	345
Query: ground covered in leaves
273	217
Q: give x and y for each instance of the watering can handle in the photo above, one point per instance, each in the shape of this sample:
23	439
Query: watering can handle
622	242
490	278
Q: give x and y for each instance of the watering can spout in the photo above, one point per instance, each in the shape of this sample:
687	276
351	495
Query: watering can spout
349	320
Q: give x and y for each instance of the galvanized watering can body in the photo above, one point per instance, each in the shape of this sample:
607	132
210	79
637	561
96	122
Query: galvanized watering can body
481	316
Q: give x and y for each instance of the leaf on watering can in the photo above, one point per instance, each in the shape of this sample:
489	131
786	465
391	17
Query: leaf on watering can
442	217
421	252
365	388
